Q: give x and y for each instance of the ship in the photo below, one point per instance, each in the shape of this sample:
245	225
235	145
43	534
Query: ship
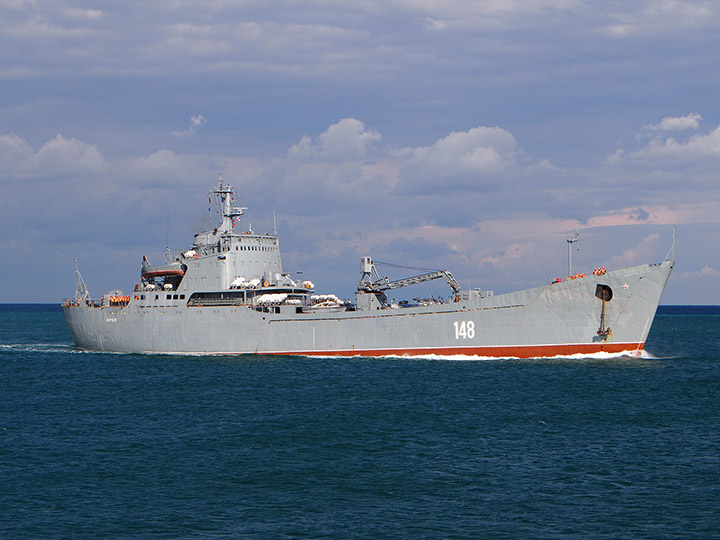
228	294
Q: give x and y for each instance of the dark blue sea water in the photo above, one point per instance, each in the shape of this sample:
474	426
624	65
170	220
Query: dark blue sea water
157	446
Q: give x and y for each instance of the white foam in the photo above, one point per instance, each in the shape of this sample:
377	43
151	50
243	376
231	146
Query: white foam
598	355
474	358
70	348
41	347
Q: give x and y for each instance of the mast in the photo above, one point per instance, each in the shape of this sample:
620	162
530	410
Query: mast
671	254
574	240
570	242
225	193
81	290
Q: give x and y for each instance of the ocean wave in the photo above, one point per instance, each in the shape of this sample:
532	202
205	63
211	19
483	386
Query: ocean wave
73	349
41	348
629	354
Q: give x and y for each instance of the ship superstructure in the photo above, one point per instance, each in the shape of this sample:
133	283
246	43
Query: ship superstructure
228	294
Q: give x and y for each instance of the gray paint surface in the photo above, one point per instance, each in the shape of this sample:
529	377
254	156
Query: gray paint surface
559	318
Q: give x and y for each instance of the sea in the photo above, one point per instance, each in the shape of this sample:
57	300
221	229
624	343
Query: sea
135	446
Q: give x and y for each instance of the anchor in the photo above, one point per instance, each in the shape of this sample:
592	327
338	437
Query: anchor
605	294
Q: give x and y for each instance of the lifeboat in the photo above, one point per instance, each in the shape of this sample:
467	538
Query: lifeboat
325	303
166	270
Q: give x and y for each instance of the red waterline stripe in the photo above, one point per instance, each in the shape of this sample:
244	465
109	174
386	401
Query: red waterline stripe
515	351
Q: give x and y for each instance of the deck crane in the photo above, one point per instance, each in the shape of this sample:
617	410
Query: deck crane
371	282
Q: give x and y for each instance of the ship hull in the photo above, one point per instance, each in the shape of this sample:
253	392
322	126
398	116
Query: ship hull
557	319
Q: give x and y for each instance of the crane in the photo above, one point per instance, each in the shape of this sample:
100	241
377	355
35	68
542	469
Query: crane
370	280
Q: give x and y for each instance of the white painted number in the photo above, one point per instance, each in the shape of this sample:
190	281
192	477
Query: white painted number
464	329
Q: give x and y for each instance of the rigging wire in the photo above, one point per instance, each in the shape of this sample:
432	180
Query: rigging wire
418	268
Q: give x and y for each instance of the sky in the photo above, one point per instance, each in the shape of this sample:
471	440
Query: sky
473	136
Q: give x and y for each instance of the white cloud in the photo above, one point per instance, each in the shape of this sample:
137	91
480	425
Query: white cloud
88	14
57	157
164	167
675	123
348	139
162	162
198	41
436	24
420	72
705	272
347	157
687	150
18	4
462	9
44	29
615	158
655	17
15	152
194	123
480	149
640	253
514	254
680	10
69	156
697	146
512	246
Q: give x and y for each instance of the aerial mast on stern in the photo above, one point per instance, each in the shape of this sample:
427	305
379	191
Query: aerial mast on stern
81	290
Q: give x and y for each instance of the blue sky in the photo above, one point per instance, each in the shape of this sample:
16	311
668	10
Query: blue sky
463	135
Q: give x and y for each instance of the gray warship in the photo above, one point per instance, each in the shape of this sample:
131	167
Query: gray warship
228	294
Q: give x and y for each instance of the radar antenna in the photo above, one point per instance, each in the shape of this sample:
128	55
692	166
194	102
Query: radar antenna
81	290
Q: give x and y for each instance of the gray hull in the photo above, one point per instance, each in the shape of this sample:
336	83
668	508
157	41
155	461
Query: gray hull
557	319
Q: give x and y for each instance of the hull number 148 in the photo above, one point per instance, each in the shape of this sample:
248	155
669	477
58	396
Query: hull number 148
464	329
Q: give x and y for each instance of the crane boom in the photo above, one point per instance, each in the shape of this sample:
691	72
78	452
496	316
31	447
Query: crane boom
366	284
